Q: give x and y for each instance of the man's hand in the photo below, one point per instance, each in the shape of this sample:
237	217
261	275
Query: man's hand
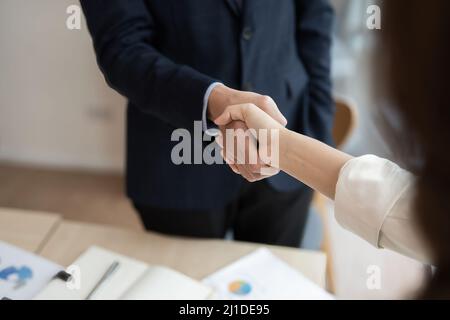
222	97
244	159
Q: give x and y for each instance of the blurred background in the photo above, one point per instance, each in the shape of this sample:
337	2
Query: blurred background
62	134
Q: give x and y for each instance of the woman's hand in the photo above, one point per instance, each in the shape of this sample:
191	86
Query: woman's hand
251	115
261	136
306	159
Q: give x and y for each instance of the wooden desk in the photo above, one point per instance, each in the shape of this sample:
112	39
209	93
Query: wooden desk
25	229
195	258
63	241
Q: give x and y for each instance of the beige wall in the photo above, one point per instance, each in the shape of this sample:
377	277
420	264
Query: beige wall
55	108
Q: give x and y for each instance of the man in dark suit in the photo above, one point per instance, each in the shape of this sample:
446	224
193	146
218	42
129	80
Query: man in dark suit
178	61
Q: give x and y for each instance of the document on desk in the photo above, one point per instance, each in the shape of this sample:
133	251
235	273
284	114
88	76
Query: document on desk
22	273
130	280
262	276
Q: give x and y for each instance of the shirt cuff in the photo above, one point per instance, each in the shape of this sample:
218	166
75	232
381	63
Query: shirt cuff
368	188
208	127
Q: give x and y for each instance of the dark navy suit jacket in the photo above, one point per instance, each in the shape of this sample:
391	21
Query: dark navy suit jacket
163	54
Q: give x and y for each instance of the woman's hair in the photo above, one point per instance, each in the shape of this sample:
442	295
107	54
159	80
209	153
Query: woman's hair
415	49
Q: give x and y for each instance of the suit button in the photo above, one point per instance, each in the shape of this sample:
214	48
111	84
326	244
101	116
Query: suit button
247	86
247	33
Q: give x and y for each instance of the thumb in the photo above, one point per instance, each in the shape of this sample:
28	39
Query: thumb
281	118
272	110
231	113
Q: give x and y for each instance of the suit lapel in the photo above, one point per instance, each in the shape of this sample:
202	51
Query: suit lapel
232	4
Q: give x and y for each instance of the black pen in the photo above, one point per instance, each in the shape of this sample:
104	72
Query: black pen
105	277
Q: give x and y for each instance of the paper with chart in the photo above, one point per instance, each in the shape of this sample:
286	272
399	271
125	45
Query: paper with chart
22	273
261	275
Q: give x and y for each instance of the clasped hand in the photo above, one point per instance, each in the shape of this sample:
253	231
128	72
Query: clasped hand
249	126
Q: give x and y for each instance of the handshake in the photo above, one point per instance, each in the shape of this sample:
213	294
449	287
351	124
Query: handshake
250	126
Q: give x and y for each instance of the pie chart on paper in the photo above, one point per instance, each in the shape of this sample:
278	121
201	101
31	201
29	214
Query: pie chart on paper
240	287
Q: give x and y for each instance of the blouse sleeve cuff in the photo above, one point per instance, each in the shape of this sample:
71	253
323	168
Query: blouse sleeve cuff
368	188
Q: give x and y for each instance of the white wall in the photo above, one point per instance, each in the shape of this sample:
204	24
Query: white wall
55	108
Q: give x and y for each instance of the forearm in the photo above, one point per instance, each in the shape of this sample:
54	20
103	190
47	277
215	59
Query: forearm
311	161
124	35
156	85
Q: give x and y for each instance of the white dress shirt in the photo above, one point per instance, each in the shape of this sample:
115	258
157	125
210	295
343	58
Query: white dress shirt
374	200
209	131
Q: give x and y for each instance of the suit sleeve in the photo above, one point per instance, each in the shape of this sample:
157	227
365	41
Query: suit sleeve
315	22
124	35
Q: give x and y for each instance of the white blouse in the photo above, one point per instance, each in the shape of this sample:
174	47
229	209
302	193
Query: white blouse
374	200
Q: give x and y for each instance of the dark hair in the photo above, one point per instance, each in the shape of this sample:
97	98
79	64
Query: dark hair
416	50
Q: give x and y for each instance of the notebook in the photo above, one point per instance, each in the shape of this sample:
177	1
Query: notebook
131	280
262	275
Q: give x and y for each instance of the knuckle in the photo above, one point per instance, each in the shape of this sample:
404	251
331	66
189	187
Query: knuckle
248	106
265	101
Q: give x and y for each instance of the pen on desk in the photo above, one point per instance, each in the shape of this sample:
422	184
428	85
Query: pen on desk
102	280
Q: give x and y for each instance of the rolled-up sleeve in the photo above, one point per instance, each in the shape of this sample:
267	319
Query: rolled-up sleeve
374	200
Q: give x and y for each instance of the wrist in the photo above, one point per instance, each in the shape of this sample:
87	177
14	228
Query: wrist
286	138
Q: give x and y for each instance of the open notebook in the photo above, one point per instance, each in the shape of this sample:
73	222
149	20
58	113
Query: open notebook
131	280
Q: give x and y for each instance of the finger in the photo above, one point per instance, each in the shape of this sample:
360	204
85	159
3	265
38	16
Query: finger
229	155
278	116
268	171
232	113
234	168
264	170
247	156
246	150
259	178
243	152
270	107
253	177
246	173
219	140
230	163
232	142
